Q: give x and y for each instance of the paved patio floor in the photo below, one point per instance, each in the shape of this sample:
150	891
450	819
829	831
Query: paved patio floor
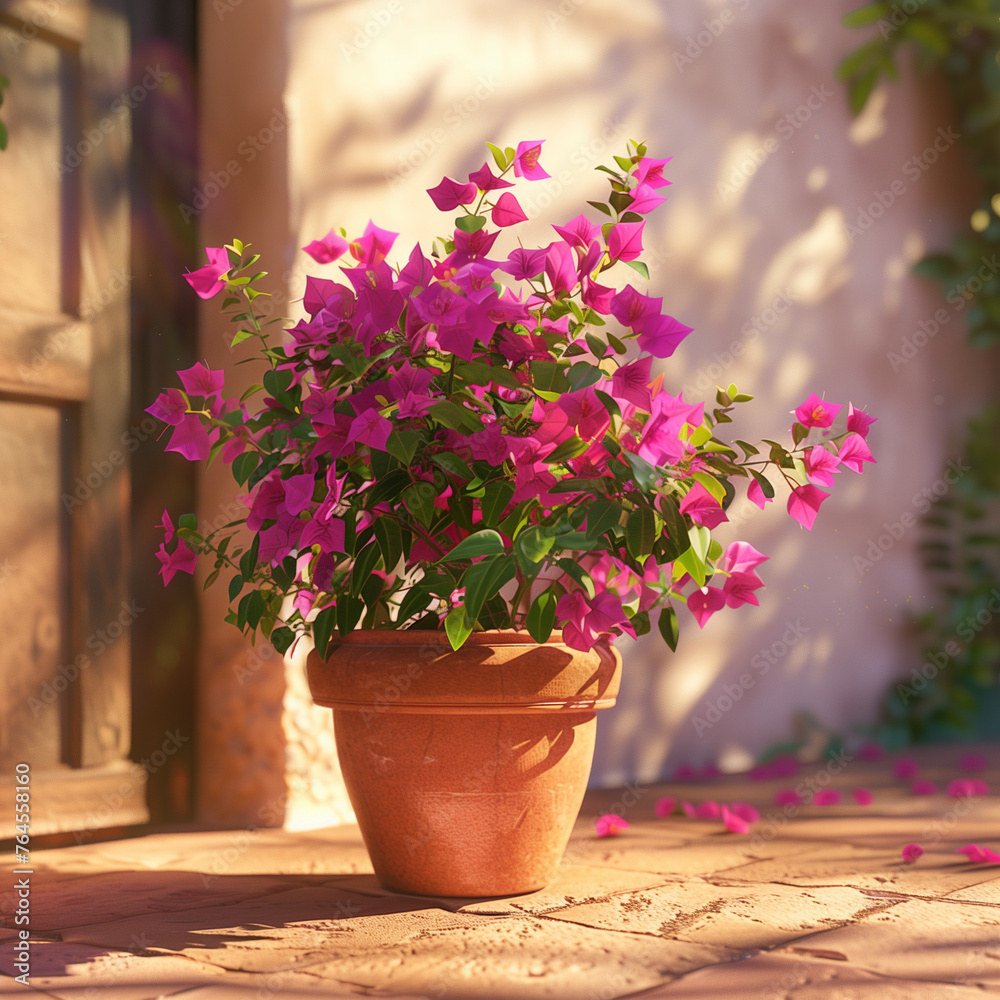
814	904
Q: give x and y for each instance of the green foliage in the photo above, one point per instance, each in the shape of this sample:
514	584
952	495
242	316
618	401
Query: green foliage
959	39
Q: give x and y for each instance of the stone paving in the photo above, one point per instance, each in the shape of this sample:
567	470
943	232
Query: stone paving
814	903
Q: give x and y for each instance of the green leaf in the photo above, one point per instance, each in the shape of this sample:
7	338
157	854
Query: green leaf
454	417
864	16
542	616
549	376
639	267
277	380
452	464
693	558
533	544
498	156
573	569
669	626
240	336
458	627
748	449
349	612
282	638
714	487
483	579
764	483
243	465
365	561
248	563
235	586
3	136
860	89
495	499
387	487
470	223
640	532
644	473
390	542
417	599
602	515
402	444
323	626
600	206
483	543
570	448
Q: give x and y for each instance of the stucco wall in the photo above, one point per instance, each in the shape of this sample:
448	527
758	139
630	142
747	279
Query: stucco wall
753	249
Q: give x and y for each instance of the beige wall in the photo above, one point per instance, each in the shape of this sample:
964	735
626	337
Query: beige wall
383	98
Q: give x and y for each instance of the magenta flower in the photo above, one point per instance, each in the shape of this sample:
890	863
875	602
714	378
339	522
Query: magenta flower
689	810
373	245
827	797
450	194
905	767
709	809
625	241
190	439
485	180
702	507
803	504
650	171
665	806
858	421
631	383
862	796
525	264
980	855
662	335
370	428
787	797
328	249
756	495
854	452
964	787
610	825
821	464
745	811
560	267
579	232
911	852
741	557
969	761
199	380
815	412
645	199
923	787
209	280
170	407
168	527
182	559
733	822
507	211
526	163
632	308
740	588
703	603
872	750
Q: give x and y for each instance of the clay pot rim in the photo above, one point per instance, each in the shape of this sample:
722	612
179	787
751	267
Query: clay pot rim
438	637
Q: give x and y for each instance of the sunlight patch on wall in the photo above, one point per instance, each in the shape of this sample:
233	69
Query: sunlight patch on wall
870	124
812	265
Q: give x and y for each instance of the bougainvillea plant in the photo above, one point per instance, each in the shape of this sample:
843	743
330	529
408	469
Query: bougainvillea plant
474	439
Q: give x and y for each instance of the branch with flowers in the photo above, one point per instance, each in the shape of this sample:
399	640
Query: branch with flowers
471	442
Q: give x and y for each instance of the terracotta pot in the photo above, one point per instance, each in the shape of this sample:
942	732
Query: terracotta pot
466	769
